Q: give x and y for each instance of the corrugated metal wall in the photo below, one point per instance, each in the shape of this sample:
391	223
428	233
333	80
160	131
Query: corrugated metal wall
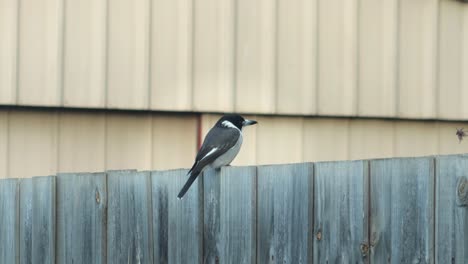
405	58
46	142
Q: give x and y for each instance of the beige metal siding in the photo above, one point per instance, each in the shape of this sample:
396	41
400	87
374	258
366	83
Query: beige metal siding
255	56
445	137
325	139
40	52
33	143
82	141
171	55
213	54
43	143
85	53
297	55
378	21
417	138
4	144
370	139
128	54
174	141
337	57
8	47
332	57
453	56
417	58
128	141
279	140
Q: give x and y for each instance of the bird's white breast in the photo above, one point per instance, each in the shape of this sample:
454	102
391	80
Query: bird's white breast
229	156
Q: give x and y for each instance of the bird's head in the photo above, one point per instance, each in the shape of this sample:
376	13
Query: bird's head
234	121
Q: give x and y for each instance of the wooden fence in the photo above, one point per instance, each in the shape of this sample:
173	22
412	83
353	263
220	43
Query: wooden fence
410	210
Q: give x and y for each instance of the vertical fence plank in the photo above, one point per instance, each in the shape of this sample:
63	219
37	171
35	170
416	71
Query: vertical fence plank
9	219
25	218
402	210
284	233
37	220
129	217
81	218
341	212
230	215
451	219
177	224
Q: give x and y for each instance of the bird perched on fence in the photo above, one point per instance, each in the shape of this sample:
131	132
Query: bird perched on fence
220	147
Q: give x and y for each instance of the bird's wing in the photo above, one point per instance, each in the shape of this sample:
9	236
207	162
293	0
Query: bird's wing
216	143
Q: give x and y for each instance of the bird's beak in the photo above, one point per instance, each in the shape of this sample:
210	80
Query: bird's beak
249	122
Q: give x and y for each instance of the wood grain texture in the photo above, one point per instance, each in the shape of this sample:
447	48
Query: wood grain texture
451	220
81	204
402	210
341	212
230	215
37	220
177	224
129	224
284	231
9	221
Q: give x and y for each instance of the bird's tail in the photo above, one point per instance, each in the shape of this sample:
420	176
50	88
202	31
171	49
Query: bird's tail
191	179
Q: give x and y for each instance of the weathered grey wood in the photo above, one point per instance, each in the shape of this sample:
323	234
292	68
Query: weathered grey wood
129	226
284	211
26	219
9	221
451	219
341	212
402	210
37	220
230	215
81	218
177	224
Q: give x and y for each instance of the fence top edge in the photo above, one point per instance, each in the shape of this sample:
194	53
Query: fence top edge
260	166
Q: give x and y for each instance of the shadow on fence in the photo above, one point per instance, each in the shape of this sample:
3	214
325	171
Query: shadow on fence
410	210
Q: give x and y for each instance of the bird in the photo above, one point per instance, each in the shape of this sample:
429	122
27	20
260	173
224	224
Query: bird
220	146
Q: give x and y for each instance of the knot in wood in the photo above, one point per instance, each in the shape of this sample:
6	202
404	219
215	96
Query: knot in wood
319	235
98	197
364	249
462	191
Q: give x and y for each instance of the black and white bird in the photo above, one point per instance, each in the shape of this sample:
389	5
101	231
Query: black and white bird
220	147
